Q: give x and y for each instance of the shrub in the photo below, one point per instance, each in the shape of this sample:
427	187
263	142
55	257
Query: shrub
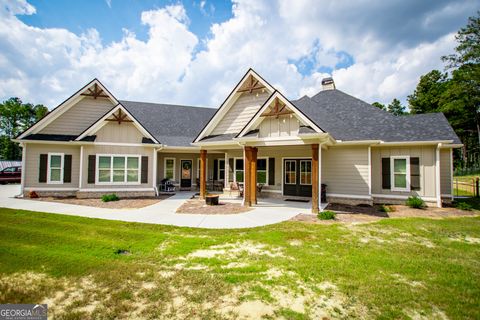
415	202
326	215
33	195
463	206
384	208
110	197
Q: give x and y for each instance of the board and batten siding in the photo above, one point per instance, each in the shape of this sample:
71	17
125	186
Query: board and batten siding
242	110
112	150
445	172
79	117
32	165
426	156
126	132
283	126
345	170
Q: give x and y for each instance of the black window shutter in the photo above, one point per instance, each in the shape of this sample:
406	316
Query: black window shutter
385	173
91	168
42	172
215	169
144	177
271	171
67	168
415	173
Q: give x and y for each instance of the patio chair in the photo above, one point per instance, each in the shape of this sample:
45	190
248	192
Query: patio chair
236	187
166	185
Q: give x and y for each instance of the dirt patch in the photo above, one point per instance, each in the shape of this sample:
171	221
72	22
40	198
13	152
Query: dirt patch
197	206
234	250
364	214
131	203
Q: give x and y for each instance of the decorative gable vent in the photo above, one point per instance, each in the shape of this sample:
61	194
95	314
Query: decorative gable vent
328	83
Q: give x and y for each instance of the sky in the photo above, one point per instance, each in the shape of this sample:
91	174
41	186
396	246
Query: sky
195	52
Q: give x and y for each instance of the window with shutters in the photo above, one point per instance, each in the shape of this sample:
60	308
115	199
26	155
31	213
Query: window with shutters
238	170
118	169
221	169
400	173
55	168
262	170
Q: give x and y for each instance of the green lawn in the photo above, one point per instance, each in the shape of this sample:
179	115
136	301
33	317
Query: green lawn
398	268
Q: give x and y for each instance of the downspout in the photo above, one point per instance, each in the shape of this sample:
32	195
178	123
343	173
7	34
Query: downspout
437	176
154	166
22	179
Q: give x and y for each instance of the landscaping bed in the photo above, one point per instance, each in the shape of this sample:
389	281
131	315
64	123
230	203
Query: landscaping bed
198	206
127	203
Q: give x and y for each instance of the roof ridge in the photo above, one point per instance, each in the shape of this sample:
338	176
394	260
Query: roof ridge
167	104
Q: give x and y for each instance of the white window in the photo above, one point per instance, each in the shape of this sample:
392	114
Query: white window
306	172
262	170
238	170
290	172
400	173
118	169
55	168
221	169
169	168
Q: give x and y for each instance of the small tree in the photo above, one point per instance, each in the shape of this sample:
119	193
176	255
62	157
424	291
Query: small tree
396	107
379	105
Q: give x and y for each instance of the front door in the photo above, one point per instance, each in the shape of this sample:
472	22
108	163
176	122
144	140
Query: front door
186	174
297	177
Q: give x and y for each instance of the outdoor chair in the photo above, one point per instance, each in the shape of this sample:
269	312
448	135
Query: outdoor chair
166	185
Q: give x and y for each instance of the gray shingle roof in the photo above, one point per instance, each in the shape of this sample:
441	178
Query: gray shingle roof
172	125
349	119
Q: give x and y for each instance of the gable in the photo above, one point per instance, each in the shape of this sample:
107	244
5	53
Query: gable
125	132
79	117
240	106
241	111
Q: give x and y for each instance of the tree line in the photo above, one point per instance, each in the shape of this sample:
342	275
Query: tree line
455	91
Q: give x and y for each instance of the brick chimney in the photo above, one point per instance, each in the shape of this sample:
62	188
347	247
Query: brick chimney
328	84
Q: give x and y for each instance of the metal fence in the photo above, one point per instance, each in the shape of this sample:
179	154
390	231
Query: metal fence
465	187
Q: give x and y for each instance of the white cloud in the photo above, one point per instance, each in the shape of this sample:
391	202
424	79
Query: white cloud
47	65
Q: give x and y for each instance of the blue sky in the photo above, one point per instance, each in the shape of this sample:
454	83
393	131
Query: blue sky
111	17
194	52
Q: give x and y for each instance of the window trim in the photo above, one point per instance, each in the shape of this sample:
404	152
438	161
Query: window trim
311	172
49	173
235	169
111	182
285	172
392	173
218	169
165	167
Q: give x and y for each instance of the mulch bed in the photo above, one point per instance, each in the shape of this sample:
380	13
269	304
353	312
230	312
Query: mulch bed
197	206
127	203
365	214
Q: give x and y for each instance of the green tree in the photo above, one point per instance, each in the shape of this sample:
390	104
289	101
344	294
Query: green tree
462	97
427	96
379	105
396	108
15	117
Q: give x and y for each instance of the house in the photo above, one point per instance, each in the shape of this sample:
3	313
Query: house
93	143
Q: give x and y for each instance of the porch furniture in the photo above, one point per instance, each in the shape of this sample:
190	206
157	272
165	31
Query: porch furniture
323	195
166	185
259	187
212	199
218	185
235	187
197	183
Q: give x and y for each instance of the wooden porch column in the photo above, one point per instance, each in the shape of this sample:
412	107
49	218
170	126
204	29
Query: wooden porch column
253	176
247	165
315	189
203	171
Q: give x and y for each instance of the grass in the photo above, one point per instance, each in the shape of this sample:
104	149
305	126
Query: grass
465	186
394	268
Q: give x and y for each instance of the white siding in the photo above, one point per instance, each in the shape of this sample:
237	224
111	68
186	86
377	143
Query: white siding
79	117
279	127
242	110
345	170
445	171
427	169
32	164
125	132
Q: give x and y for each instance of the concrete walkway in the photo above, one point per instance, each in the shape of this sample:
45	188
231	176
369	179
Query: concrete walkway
163	212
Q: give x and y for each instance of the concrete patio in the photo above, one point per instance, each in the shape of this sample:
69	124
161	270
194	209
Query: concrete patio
268	211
